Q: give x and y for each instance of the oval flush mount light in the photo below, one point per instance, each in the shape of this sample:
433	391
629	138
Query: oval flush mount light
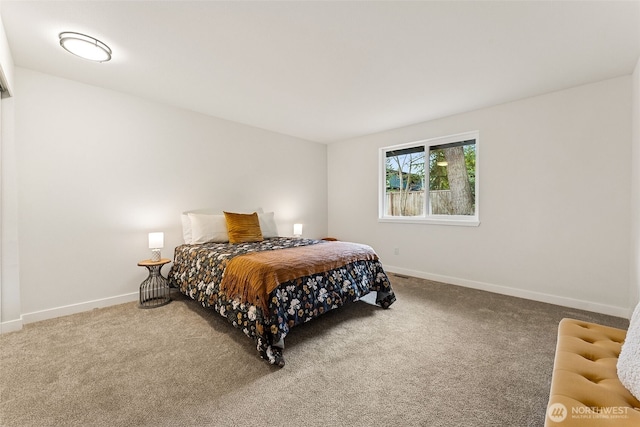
85	46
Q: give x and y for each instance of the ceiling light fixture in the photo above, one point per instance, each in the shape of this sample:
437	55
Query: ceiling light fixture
85	46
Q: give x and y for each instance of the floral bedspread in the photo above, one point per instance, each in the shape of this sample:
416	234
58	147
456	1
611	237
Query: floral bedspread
198	270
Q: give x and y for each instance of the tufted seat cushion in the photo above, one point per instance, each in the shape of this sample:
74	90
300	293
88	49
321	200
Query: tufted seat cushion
585	389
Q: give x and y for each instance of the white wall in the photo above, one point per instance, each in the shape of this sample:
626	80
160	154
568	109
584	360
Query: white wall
98	170
9	254
554	200
9	268
634	295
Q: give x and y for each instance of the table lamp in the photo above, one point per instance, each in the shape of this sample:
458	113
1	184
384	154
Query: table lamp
156	242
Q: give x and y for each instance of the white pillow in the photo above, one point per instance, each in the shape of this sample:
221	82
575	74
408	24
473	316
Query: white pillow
187	234
186	228
208	228
268	225
628	361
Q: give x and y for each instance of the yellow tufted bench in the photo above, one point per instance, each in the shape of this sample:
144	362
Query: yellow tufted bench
585	389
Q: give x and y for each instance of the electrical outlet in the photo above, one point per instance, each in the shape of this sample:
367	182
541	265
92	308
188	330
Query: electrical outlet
396	251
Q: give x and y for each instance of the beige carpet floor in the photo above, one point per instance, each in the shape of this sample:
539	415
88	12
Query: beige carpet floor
442	355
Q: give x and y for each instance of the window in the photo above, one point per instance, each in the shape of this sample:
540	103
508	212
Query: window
433	181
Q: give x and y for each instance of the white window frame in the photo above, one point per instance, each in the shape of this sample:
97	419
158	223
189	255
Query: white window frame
463	220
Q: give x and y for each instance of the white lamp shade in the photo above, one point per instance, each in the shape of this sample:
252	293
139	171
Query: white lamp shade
297	229
156	240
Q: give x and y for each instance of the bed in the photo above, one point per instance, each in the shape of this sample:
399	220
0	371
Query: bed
265	286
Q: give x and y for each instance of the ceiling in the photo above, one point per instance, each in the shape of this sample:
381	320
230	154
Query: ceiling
328	71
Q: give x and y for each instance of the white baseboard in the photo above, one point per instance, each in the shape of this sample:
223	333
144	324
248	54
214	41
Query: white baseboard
10	326
16	325
610	310
66	310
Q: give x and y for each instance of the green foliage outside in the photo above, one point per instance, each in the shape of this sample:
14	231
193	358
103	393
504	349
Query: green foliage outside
438	177
413	174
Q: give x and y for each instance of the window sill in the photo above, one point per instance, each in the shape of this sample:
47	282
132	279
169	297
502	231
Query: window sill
459	221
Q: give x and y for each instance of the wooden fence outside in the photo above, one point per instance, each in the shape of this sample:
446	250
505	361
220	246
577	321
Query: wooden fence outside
440	201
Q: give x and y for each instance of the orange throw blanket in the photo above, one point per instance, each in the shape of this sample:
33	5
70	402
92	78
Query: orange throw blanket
253	277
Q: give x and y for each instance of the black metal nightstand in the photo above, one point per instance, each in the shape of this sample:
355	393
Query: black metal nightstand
154	291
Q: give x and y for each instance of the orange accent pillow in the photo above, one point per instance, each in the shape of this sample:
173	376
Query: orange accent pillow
243	227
